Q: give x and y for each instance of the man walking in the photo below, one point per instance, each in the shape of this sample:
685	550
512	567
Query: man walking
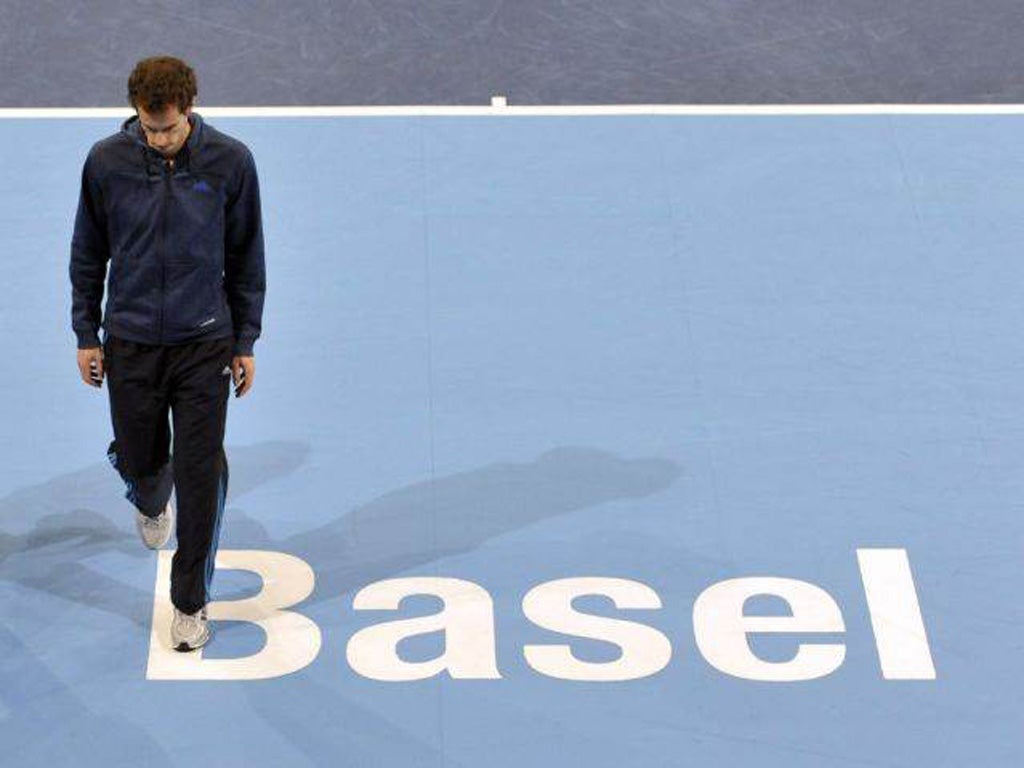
173	205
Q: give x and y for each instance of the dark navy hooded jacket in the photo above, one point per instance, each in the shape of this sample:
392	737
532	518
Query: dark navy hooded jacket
184	243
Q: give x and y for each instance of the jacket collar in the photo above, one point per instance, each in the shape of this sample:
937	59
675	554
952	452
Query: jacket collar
132	128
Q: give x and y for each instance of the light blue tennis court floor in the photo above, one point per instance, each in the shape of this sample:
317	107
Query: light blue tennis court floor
669	350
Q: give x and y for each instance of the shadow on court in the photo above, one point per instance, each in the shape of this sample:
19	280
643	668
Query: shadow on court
403	529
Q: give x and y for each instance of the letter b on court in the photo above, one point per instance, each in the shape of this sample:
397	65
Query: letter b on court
292	640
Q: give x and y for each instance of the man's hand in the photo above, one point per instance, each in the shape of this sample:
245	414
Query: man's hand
243	371
90	366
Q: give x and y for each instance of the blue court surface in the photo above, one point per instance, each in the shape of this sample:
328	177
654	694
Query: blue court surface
751	384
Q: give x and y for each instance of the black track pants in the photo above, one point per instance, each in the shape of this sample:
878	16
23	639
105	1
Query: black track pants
193	382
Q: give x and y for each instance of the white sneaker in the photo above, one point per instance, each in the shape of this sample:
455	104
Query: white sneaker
155	531
189	631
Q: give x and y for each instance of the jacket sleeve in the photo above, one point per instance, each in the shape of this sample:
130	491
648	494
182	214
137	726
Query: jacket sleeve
90	253
244	270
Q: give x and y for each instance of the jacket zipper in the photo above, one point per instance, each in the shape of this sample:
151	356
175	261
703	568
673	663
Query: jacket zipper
168	169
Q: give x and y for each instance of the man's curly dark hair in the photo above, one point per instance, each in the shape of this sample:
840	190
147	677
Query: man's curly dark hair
160	81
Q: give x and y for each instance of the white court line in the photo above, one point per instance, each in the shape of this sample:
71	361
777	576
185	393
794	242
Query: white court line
500	108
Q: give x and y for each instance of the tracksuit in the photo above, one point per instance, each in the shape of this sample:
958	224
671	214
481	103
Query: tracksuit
184	295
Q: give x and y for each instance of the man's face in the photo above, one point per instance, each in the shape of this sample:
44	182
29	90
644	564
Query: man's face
167	130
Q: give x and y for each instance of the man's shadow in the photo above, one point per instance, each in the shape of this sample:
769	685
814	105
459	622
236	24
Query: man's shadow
403	529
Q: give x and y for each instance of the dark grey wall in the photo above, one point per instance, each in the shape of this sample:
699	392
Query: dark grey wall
372	52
